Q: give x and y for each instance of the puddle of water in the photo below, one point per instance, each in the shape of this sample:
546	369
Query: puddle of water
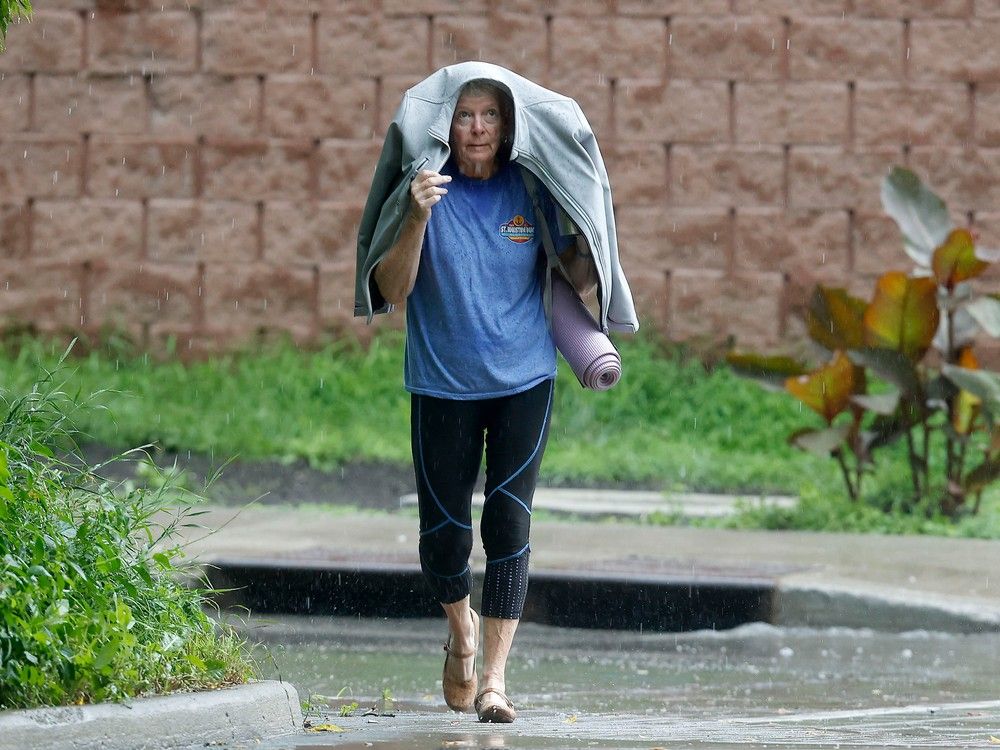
755	670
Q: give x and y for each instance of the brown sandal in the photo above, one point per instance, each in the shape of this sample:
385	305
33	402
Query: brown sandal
460	694
497	713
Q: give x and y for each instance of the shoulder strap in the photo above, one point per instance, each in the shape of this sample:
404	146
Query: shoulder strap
552	259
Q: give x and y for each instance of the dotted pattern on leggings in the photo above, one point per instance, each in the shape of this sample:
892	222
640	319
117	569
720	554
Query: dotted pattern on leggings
504	587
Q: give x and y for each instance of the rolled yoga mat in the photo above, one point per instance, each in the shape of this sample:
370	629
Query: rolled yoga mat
579	338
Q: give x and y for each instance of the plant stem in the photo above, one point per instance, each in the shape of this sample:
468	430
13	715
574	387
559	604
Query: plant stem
851	491
911	449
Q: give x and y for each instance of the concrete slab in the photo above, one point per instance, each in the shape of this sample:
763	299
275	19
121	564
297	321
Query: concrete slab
602	502
245	714
829	579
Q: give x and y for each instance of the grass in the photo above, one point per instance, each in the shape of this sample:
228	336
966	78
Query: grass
670	422
92	607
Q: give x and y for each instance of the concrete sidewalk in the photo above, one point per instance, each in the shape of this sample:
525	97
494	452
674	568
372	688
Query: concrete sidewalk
892	583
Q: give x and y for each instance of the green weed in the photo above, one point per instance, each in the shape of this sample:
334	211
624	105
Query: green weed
91	605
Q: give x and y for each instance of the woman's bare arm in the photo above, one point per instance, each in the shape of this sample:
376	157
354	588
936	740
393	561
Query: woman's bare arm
396	273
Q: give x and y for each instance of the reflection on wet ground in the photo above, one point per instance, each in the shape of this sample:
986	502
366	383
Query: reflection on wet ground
614	689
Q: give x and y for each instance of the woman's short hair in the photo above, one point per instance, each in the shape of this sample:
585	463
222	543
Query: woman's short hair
484	86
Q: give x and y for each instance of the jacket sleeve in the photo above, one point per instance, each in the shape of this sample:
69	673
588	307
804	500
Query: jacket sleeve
370	301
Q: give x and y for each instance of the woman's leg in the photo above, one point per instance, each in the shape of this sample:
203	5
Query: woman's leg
516	434
447	444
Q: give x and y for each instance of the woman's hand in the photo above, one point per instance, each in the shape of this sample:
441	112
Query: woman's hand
426	191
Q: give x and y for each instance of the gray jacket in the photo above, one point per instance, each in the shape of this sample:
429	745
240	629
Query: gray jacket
552	139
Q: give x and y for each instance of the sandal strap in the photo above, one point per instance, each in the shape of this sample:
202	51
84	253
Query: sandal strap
483	693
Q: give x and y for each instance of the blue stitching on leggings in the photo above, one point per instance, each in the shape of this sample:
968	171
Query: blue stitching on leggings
513	497
440	526
423	470
438	575
541	433
509	557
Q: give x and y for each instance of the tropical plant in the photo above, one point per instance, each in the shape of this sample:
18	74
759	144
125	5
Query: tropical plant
10	10
903	366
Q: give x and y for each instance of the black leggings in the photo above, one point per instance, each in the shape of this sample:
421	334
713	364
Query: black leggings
447	437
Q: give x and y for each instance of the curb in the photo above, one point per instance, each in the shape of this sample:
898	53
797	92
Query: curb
597	599
245	713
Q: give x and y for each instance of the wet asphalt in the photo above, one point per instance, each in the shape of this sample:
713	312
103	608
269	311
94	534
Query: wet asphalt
753	686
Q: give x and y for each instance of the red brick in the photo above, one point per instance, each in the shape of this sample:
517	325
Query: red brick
512	41
346	169
432	7
157	42
662	8
705	305
965	180
256	43
987	230
987	117
987	8
672	112
810	245
829	177
257	170
33	167
587	8
336	306
878	246
87	104
310	232
45	295
184	230
390	97
638	173
205	105
51	43
658	240
887	113
651	294
142	298
241	300
791	113
594	97
319	107
722	176
88	230
728	49
355	46
955	50
627	47
790	7
13	230
912	8
133	168
16	99
846	49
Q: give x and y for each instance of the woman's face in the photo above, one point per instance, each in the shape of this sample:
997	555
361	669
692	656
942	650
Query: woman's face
476	128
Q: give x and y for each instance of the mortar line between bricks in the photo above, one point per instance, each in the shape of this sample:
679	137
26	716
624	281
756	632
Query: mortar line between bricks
144	230
732	112
786	53
84	39
85	164
973	101
259	231
32	83
668	40
29	227
786	175
851	224
548	48
668	175
731	244
314	43
907	40
852	102
199	25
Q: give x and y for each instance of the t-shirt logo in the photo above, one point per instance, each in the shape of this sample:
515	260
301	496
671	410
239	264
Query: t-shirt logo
518	230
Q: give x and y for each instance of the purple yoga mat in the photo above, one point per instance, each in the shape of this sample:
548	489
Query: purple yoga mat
579	338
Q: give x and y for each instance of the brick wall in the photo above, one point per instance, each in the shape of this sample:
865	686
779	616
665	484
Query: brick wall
196	168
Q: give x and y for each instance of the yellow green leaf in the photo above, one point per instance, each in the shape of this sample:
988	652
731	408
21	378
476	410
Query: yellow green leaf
326	728
903	314
955	260
835	319
827	391
966	405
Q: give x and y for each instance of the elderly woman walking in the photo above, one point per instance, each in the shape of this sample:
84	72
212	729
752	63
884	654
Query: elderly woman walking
455	228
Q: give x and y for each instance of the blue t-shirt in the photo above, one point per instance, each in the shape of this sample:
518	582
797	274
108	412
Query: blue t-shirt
475	320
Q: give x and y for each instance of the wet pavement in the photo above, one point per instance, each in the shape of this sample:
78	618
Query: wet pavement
756	685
